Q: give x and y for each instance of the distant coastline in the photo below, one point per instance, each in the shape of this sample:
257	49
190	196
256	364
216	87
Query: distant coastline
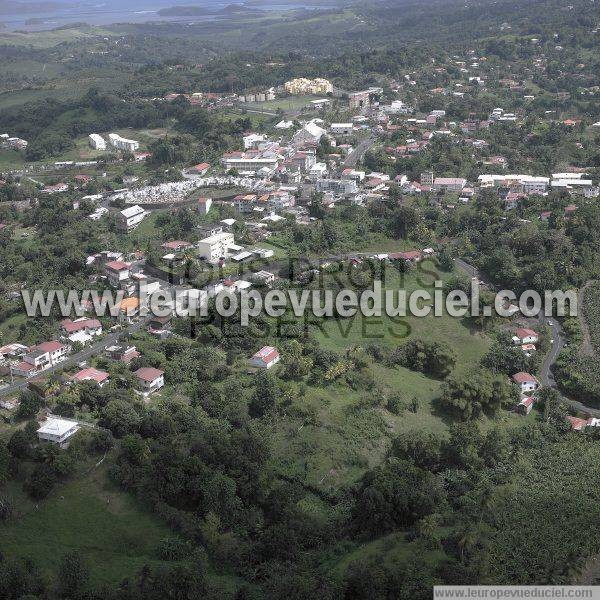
197	11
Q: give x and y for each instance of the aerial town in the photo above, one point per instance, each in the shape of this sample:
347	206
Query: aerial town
212	450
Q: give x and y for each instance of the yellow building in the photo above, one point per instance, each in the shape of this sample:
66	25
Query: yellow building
302	85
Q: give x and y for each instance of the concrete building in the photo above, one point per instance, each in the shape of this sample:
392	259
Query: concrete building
364	98
150	379
129	218
337	186
57	431
121	143
215	247
341	128
317	171
450	184
302	85
97	142
204	205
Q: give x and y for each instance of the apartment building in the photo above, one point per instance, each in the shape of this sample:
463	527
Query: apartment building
129	218
214	247
301	85
121	143
97	142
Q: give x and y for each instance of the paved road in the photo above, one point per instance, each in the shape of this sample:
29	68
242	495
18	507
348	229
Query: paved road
470	270
84	355
546	376
352	159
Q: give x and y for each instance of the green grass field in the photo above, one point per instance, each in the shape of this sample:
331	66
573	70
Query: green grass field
289	104
52	37
115	536
345	432
10	328
11	159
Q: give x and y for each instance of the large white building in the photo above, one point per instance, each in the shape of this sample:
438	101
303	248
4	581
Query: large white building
342	128
450	184
311	133
129	218
121	143
97	142
214	247
531	184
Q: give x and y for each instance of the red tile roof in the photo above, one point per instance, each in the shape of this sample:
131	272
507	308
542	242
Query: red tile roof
49	346
74	326
523	333
522	377
148	373
24	366
175	245
266	354
116	265
576	423
91	374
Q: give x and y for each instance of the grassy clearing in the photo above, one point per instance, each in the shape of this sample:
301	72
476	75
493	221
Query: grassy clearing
9	329
53	37
91	516
290	104
338	433
469	345
393	548
11	159
20	97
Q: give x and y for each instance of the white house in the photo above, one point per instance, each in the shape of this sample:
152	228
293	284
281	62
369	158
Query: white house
150	379
57	431
526	382
117	272
265	358
41	357
129	218
525	336
341	128
214	247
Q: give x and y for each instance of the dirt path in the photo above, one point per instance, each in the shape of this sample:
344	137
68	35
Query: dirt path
586	349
